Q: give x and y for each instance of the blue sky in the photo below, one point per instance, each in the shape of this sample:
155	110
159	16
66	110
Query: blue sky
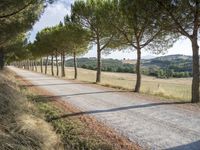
56	12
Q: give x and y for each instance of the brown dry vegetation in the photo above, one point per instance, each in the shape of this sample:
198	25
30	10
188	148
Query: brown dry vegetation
79	132
20	124
23	112
174	88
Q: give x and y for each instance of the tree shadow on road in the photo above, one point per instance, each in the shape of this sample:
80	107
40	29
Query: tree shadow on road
55	84
150	104
191	146
85	93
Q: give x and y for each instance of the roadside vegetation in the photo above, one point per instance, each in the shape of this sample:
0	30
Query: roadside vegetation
30	120
21	125
74	133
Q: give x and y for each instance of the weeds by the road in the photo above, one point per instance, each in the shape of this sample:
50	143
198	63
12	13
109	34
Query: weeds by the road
74	134
78	132
20	127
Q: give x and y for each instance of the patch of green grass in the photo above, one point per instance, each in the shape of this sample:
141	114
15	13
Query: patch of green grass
74	134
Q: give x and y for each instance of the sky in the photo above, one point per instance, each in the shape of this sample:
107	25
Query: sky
56	12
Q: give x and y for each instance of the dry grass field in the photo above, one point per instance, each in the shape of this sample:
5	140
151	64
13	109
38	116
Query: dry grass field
174	88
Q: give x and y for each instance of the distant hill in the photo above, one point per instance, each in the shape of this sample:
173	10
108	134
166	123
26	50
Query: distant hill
176	62
167	66
110	65
162	67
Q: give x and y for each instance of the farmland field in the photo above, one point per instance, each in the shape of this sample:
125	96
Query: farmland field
173	88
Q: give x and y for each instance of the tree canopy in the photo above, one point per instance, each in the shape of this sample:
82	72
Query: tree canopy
182	17
90	14
107	24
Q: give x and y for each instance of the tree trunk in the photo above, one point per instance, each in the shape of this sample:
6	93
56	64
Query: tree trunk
31	63
138	72
23	64
19	64
28	65
195	72
57	68
63	64
52	71
41	65
98	76
33	66
46	65
75	66
35	62
1	59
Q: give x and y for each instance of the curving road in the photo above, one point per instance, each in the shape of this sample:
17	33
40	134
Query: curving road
151	124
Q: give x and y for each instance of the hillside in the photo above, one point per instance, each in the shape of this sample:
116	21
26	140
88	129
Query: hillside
110	65
167	66
183	61
162	67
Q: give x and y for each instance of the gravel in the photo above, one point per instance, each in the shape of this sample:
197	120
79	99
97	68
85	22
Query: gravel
151	124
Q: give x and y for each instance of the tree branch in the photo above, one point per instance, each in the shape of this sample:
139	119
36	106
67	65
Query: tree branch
183	32
17	11
108	42
121	31
196	20
151	39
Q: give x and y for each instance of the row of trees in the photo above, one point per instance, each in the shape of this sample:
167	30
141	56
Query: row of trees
152	25
120	24
56	42
68	39
16	18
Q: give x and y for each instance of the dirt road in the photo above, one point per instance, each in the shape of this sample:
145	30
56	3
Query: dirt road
151	124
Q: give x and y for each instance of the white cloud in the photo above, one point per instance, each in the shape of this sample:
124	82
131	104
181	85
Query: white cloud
52	16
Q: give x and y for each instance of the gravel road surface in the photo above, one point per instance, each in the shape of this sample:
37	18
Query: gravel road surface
151	124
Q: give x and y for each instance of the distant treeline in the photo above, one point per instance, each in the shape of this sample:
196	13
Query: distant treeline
158	67
109	65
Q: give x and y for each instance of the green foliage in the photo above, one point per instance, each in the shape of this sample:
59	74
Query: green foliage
179	15
91	15
78	36
160	67
139	25
17	49
169	66
182	18
21	21
69	38
110	65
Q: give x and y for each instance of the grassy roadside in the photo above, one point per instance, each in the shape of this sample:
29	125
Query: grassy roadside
26	122
21	127
74	134
77	133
